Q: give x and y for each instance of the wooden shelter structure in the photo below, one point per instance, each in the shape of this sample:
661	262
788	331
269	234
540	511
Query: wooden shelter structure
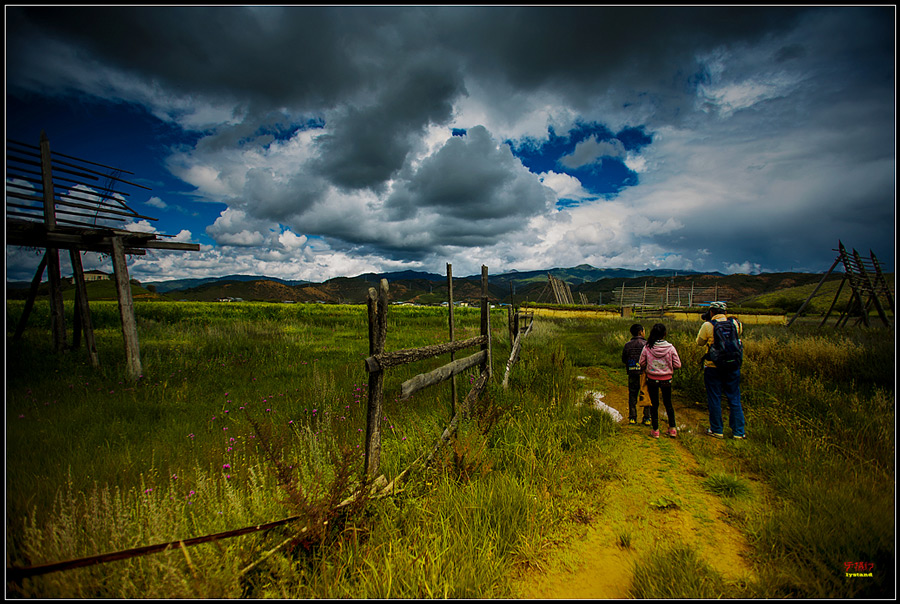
60	202
562	293
867	283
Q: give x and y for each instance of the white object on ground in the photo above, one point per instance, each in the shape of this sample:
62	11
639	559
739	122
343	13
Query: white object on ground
599	404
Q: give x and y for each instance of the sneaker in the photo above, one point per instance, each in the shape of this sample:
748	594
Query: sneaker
632	421
647	422
713	434
740	437
654	433
672	433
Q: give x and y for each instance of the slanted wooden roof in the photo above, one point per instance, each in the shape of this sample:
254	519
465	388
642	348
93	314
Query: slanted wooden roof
56	201
61	201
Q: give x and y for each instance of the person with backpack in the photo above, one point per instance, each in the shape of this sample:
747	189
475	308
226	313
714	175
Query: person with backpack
659	360
637	387
722	371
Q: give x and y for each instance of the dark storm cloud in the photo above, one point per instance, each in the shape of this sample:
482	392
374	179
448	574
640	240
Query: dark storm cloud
808	90
470	178
275	56
318	57
369	144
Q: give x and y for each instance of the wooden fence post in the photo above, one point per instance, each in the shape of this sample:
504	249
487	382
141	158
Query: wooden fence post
377	306
450	319
83	314
486	321
126	310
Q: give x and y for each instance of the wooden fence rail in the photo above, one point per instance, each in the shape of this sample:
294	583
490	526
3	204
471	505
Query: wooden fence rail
375	363
379	360
521	326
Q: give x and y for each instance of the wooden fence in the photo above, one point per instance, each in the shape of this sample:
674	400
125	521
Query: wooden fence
379	360
376	363
668	296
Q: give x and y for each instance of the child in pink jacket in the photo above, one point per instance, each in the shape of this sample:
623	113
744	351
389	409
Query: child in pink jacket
659	360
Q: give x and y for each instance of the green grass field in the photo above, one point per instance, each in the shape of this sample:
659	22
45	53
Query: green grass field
249	413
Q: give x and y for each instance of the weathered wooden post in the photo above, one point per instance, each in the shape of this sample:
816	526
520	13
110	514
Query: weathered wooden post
126	310
486	321
873	293
32	294
57	311
83	311
377	306
452	355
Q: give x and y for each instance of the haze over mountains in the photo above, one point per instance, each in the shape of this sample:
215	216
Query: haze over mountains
582	273
599	286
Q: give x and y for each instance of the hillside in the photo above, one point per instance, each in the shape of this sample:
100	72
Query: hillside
786	291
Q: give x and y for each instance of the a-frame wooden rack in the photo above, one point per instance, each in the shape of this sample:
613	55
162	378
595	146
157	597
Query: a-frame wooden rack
60	202
867	283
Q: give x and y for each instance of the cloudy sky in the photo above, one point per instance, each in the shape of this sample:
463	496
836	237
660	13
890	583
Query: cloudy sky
313	142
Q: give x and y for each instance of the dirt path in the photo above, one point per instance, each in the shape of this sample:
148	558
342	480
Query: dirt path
654	475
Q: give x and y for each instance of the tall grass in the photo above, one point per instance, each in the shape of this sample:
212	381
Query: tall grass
239	417
678	572
820	418
247	413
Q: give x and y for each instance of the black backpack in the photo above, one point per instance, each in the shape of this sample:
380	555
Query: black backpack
726	352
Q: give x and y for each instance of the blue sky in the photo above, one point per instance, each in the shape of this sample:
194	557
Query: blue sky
314	142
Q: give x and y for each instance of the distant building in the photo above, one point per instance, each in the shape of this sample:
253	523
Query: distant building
94	275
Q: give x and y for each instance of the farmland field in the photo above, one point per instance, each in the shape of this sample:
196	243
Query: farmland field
250	413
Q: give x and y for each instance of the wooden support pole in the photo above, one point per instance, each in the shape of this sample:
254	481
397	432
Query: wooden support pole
83	316
377	306
452	327
486	321
821	281
513	357
126	310
880	281
57	309
833	303
851	305
32	294
57	316
874	294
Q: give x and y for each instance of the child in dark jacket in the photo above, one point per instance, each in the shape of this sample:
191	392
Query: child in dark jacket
631	356
660	360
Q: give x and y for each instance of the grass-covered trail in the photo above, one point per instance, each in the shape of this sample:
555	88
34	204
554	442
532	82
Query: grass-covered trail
657	500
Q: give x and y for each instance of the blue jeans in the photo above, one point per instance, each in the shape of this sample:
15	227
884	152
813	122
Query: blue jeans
727	383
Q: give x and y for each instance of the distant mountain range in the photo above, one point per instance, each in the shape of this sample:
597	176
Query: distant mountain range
596	284
583	273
